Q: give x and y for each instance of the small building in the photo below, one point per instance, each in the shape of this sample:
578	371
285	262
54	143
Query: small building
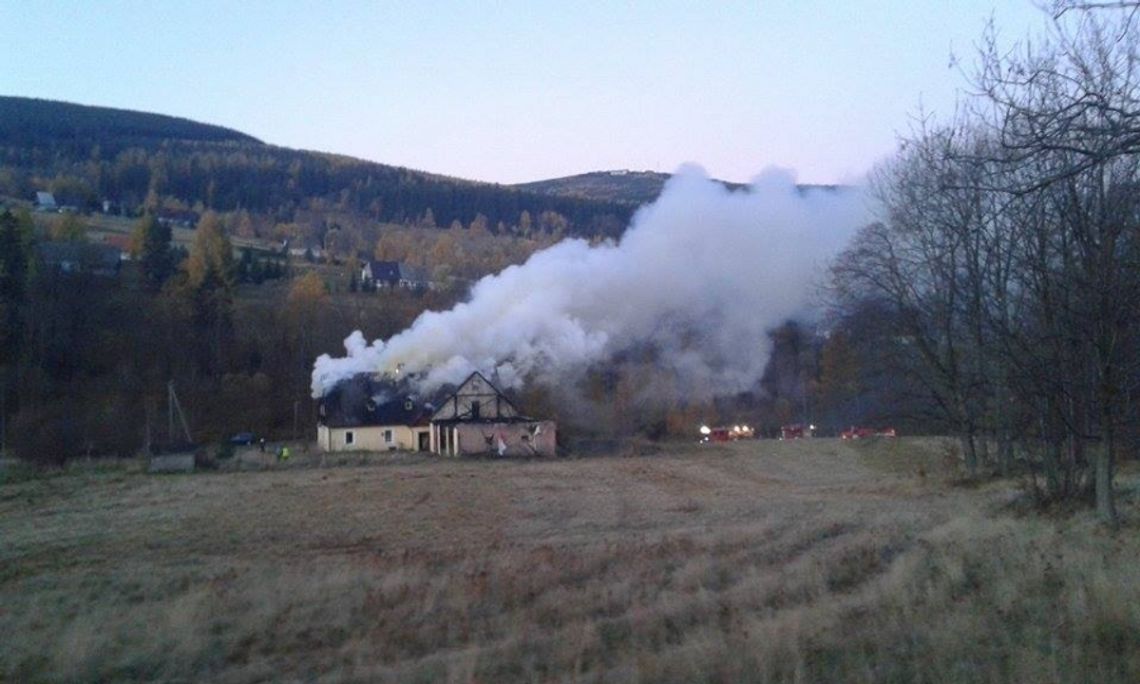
178	218
393	274
412	278
120	242
45	201
309	250
368	413
380	273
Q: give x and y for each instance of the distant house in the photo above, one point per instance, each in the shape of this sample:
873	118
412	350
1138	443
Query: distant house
45	201
366	413
309	251
79	258
380	273
413	278
120	242
178	218
394	274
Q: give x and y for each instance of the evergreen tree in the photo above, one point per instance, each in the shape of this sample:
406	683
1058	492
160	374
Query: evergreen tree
150	244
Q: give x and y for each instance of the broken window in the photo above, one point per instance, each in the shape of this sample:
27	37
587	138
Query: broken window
349	438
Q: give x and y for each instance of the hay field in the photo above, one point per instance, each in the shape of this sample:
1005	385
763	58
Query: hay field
763	561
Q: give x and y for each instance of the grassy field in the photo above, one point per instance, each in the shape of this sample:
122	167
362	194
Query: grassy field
809	561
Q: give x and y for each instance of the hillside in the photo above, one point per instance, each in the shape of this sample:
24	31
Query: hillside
86	155
632	188
28	121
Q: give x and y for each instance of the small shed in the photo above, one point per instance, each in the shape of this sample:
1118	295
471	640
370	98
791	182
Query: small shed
45	201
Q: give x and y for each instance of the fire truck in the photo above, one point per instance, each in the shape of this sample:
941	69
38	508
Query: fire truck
865	432
797	431
726	433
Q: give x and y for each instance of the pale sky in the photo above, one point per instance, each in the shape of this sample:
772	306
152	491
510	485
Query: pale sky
517	91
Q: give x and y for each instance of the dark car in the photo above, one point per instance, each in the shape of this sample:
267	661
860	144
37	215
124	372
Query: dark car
243	439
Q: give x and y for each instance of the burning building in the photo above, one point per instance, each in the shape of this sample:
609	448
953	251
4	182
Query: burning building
699	275
371	413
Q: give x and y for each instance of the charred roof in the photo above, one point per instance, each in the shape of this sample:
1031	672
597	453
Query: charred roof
366	399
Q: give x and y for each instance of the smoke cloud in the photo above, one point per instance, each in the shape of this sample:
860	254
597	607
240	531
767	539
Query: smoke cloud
701	275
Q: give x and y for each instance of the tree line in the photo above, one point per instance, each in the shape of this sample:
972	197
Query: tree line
85	357
1004	276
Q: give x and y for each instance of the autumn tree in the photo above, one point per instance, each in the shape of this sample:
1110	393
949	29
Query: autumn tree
209	287
69	228
307	297
150	246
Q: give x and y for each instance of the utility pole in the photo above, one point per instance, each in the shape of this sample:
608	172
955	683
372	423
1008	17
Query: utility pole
172	399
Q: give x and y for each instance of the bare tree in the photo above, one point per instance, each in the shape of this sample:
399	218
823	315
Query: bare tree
1066	112
1009	250
929	260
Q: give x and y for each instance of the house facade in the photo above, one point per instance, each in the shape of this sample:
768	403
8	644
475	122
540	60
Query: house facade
478	419
365	414
393	274
368	414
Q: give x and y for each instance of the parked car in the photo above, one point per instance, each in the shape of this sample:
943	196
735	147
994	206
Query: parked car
243	439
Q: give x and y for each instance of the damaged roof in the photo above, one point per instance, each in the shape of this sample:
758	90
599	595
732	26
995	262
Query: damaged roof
374	400
368	400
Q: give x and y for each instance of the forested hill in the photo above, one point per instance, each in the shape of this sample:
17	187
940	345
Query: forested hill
88	155
30	121
628	187
633	188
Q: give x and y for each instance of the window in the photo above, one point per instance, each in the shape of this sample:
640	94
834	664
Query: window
474	409
349	438
387	436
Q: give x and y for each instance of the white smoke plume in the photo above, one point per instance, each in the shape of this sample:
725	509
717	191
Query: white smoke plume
702	274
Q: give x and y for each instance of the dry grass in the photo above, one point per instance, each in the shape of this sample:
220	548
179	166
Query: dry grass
763	561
